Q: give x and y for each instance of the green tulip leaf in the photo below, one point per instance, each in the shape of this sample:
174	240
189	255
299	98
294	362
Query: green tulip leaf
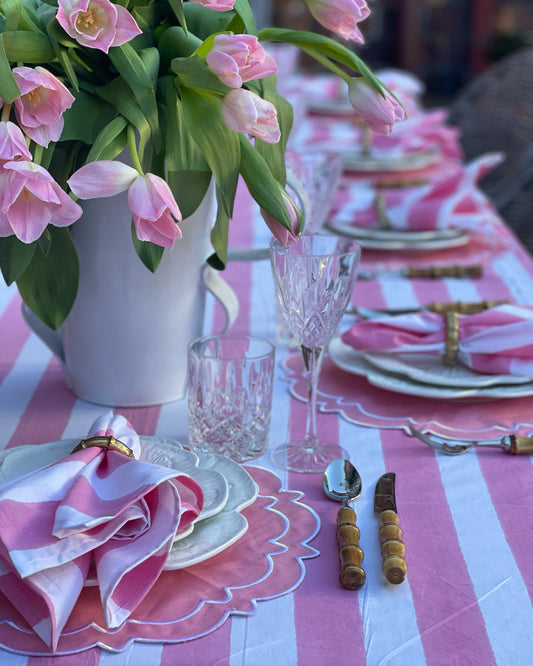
262	185
219	238
322	48
15	257
9	91
149	253
203	121
46	290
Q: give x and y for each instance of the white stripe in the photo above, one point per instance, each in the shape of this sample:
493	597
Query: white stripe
518	280
502	594
461	289
387	611
268	637
19	385
397	292
139	654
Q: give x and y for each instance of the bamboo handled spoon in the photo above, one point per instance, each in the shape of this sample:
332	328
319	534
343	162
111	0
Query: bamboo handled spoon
342	482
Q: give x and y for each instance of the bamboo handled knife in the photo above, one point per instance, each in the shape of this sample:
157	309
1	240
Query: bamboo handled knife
394	566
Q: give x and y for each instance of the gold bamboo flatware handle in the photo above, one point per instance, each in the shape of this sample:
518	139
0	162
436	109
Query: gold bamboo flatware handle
341	482
461	307
393	565
519	444
435	272
352	575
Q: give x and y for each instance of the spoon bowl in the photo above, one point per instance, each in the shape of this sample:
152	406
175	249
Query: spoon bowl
342	482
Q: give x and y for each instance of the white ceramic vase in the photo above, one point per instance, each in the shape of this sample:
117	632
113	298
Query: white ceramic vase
124	343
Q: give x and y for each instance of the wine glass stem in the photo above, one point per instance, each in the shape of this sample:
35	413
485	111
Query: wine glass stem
312	361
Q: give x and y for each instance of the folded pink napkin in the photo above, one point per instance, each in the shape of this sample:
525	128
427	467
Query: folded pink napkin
496	341
453	200
95	503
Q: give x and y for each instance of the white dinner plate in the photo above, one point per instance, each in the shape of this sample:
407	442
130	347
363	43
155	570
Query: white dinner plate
428	369
228	489
372	163
350	360
396	239
339	106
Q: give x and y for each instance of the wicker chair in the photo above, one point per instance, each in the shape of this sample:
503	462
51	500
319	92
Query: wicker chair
495	112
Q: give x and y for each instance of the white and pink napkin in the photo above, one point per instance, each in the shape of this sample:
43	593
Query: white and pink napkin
94	504
453	200
496	341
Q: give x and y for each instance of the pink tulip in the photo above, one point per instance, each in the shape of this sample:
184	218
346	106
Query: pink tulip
12	143
280	232
154	209
239	58
97	24
340	16
30	199
216	5
408	87
40	107
377	111
244	111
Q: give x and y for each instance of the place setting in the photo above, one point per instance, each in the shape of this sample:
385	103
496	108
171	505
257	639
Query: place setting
153	541
440	213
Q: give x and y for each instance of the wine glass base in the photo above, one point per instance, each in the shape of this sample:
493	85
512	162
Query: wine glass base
298	458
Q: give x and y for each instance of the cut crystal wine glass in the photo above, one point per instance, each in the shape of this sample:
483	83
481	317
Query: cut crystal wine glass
314	279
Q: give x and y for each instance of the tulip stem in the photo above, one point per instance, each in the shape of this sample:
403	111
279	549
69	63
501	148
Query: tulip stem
5	112
132	146
37	153
330	65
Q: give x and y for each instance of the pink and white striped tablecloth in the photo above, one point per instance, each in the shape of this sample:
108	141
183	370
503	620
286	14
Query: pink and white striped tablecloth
467	521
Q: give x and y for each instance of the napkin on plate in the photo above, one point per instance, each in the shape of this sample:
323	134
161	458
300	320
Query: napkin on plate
495	341
95	503
453	200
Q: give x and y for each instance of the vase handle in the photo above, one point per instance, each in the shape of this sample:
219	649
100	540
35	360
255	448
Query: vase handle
223	293
51	338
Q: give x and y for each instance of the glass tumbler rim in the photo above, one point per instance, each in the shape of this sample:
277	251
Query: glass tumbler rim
269	348
353	246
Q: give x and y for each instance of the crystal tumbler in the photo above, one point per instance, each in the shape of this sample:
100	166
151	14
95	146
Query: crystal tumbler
230	395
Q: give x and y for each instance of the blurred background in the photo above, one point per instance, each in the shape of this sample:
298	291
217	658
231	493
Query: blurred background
446	43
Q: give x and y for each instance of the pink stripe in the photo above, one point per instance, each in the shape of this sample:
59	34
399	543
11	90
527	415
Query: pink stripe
311	617
368	293
48	411
86	658
14	336
143	419
445	602
213	649
506	497
429	291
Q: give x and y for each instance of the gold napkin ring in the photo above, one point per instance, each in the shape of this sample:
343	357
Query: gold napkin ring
452	338
109	443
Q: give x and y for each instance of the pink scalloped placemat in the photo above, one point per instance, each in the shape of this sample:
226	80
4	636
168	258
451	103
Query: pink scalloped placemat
359	402
268	561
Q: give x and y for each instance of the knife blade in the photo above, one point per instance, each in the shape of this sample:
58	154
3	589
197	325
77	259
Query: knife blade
393	564
460	307
429	272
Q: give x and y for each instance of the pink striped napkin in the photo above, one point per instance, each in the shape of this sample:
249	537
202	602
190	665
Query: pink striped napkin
496	341
453	200
94	504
